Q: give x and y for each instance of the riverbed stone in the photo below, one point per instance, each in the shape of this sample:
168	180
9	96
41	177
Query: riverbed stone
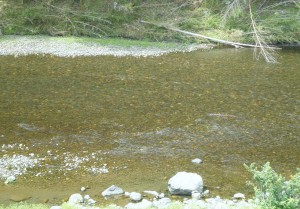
56	207
10	180
154	193
135	196
140	205
161	195
238	196
184	183
75	198
19	197
196	195
112	190
162	203
197	161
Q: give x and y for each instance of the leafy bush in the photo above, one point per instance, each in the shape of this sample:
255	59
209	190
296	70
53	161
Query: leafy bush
272	191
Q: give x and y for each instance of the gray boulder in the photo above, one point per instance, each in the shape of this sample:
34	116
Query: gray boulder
184	183
112	190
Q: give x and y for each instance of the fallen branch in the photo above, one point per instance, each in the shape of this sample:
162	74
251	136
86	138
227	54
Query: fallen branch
235	44
265	51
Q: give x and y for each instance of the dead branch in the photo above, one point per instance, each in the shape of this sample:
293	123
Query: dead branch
265	50
235	44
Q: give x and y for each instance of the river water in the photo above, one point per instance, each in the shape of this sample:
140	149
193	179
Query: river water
144	119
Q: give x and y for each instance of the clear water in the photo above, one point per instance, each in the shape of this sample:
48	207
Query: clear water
147	118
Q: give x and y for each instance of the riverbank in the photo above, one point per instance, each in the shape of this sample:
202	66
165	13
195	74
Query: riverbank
73	47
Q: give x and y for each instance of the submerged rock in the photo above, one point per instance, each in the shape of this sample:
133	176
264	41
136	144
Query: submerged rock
75	199
112	190
19	197
184	183
197	161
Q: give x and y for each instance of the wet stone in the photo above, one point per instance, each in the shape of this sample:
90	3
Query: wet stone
19	197
112	190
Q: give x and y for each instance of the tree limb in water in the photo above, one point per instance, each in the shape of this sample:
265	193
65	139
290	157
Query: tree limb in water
235	44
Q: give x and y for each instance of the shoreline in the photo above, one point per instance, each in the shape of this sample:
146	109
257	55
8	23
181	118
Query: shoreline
74	47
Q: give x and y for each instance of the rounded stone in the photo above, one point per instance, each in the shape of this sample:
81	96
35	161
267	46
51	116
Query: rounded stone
75	198
136	197
184	183
56	207
112	190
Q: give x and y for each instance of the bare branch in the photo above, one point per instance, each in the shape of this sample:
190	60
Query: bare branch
235	44
264	49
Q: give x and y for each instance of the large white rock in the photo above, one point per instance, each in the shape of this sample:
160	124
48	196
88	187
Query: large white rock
184	183
112	190
75	198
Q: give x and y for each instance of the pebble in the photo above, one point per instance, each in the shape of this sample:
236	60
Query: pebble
162	203
161	195
75	198
112	190
197	161
239	196
127	194
10	179
56	207
86	197
136	197
91	201
196	195
140	205
205	193
154	193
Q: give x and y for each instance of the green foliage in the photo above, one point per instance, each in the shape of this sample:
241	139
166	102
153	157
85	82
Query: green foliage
201	19
278	21
272	191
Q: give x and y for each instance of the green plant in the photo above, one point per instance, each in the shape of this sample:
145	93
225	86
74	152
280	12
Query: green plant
272	191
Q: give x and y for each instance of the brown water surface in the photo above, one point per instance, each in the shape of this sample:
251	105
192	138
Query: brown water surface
147	118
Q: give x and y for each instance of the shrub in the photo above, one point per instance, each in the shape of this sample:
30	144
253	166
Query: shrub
272	191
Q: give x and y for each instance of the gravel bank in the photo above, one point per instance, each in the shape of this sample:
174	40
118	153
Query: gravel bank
29	45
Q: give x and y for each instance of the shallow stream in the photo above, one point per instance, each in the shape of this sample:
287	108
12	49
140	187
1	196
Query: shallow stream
135	122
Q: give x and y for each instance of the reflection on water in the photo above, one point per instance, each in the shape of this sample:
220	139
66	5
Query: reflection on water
144	119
